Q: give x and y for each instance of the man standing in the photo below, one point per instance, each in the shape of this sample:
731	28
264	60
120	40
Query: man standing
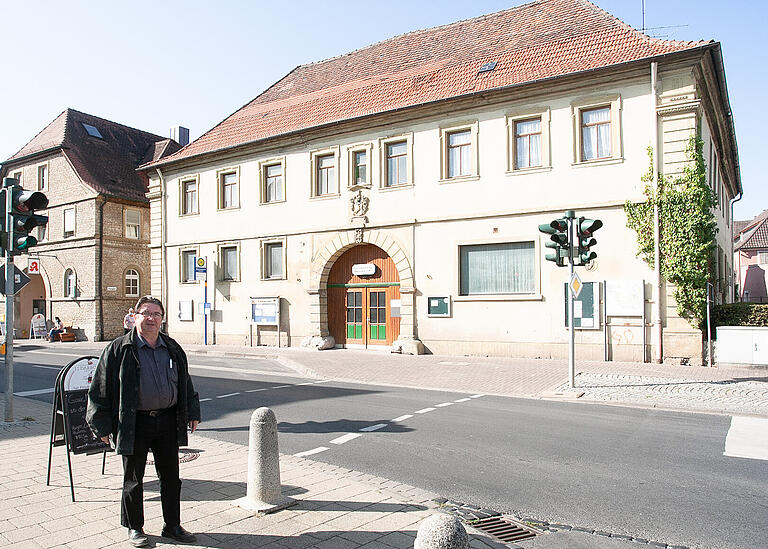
142	395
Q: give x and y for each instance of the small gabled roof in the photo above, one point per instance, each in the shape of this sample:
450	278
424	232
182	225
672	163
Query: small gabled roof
536	41
755	233
104	154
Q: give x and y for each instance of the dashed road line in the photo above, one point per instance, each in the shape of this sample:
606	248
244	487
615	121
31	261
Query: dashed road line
402	418
373	427
444	404
312	451
227	395
35	392
425	410
476	396
345	438
205	399
463	400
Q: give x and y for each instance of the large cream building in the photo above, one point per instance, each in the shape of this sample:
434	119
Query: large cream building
390	197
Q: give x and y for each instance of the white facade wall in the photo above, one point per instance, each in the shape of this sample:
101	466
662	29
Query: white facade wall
426	221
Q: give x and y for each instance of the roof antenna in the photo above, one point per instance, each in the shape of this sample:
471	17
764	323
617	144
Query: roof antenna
642	3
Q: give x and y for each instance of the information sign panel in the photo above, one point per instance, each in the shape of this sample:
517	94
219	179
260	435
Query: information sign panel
265	311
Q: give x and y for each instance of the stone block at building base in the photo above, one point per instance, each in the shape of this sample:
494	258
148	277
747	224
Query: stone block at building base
321	343
408	346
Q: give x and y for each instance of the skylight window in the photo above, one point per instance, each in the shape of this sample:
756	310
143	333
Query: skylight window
488	67
92	131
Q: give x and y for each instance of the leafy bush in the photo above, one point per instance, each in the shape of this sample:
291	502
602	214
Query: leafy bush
739	314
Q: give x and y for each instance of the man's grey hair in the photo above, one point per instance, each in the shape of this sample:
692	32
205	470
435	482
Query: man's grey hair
152	300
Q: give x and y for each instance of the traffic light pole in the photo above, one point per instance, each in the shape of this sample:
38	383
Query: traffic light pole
9	299
570	216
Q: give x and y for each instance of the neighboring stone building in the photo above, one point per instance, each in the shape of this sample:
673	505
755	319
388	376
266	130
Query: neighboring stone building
750	258
93	254
391	196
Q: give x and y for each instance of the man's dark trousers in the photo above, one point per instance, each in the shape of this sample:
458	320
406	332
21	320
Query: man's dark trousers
159	434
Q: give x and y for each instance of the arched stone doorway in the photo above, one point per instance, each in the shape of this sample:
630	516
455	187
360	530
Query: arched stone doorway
364	298
324	260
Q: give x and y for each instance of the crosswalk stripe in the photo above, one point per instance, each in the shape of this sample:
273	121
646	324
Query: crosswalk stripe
747	438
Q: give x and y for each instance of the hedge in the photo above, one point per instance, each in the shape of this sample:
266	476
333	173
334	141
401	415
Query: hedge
739	314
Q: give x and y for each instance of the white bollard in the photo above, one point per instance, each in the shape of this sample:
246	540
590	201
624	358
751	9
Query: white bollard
263	493
441	531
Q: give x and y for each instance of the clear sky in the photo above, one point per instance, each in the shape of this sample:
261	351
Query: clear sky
156	64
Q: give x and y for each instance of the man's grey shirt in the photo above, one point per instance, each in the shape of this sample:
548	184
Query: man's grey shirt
158	376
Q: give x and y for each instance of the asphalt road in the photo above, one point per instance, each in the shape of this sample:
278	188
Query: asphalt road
644	473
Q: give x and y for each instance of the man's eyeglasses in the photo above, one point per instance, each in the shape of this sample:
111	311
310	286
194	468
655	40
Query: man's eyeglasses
156	316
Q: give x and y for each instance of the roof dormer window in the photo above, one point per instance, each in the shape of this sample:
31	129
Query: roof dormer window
487	67
92	131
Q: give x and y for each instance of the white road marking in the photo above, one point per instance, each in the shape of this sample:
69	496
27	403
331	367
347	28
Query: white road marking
36	392
345	438
444	404
476	396
373	427
313	451
402	418
747	438
205	399
281	386
463	400
229	395
424	410
257	390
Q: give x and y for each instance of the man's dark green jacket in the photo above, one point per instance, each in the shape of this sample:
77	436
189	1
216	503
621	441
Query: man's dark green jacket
114	392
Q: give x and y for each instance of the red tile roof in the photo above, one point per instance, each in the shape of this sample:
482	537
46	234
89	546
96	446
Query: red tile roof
755	233
107	164
543	39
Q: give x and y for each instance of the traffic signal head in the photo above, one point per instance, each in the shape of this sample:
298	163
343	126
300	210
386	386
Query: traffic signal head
558	234
585	228
22	218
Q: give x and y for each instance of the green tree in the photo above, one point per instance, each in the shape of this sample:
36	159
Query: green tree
687	230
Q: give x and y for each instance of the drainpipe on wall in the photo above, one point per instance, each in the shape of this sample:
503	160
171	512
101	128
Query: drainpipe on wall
163	246
100	269
657	328
733	270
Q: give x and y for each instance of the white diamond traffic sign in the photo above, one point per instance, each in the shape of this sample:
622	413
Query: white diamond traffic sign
575	285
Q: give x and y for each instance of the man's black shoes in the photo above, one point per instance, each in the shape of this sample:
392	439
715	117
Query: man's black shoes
179	534
138	538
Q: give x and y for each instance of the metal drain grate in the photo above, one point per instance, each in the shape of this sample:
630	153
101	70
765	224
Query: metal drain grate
503	529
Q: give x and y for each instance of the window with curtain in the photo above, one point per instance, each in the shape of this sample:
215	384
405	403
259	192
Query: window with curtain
506	268
188	265
273	260
360	161
459	153
189	199
528	143
229	197
325	175
131	283
273	183
69	222
229	269
132	224
70	283
596	133
397	164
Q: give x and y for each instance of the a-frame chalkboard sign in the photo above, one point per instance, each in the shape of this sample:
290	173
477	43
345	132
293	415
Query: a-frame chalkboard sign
68	425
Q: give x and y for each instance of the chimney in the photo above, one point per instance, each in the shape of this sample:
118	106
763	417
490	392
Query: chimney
180	134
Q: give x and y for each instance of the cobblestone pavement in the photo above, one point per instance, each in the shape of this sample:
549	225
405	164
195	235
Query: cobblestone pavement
732	396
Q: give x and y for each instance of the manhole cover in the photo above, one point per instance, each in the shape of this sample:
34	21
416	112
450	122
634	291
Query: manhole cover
185	455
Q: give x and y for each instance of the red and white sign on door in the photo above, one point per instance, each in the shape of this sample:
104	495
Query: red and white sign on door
34	266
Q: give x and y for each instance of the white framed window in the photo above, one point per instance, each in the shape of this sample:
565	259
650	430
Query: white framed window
188	190
459	152
70	283
273	260
762	258
229	264
229	189
528	141
17	177
359	158
272	176
397	161
69	222
597	130
132	283
42	177
187	259
497	268
132	223
324	166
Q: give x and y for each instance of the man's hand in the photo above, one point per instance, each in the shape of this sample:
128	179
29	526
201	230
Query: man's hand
193	425
105	439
